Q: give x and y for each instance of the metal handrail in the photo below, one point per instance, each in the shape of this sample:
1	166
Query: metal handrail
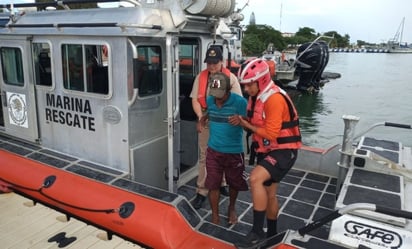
389	124
313	42
63	2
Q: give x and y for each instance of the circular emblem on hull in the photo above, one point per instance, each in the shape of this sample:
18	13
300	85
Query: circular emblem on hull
17	109
112	115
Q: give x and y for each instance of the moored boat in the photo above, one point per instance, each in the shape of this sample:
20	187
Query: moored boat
396	45
305	68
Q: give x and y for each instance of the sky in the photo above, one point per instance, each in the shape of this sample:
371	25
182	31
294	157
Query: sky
373	21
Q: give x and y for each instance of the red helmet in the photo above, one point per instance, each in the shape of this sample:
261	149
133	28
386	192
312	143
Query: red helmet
243	65
255	70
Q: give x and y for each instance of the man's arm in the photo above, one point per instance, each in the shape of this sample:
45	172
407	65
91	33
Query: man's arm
275	109
197	108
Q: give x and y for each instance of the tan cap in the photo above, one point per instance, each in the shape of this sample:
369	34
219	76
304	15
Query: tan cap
219	84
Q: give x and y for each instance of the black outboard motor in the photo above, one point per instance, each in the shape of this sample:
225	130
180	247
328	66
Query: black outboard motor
308	63
324	61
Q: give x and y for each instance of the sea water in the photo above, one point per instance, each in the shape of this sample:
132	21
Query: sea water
376	87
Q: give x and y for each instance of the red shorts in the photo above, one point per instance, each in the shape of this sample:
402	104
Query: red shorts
233	167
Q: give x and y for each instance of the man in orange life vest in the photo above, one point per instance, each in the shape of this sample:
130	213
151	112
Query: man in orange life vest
214	61
273	121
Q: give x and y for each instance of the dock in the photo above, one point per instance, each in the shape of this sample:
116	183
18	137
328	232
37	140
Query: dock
24	224
358	50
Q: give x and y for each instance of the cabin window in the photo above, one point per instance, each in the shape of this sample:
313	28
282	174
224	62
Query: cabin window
42	64
85	68
187	55
12	66
238	33
188	69
188	66
148	70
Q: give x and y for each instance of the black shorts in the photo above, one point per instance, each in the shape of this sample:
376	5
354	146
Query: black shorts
277	163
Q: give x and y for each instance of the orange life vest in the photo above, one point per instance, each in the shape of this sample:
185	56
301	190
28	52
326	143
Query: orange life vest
272	67
203	83
289	135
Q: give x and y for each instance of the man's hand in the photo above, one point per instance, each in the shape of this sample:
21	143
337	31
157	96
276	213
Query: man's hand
201	123
199	127
242	121
234	120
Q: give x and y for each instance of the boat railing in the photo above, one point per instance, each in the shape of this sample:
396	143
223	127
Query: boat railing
389	124
290	64
63	3
301	232
313	42
349	136
349	209
346	151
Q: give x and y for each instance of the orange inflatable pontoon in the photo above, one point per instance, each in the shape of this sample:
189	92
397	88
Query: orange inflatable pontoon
135	217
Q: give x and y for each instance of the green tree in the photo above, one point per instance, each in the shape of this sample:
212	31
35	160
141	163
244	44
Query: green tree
334	34
361	43
346	40
251	45
306	34
339	41
258	37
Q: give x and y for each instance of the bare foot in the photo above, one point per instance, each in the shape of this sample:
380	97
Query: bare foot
215	219
232	217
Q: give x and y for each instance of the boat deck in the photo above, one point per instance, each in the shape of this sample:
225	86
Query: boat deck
303	196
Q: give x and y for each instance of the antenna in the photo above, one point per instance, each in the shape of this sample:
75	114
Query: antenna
246	4
280	19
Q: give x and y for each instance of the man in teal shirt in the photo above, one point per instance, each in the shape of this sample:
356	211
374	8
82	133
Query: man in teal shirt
224	155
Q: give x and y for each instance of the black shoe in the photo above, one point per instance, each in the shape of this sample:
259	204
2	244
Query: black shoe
251	240
198	201
224	191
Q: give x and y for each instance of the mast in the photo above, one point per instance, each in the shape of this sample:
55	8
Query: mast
399	32
280	19
403	24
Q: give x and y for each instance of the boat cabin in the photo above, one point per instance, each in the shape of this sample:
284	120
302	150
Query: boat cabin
111	85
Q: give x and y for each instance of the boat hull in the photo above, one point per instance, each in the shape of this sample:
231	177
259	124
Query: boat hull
137	218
